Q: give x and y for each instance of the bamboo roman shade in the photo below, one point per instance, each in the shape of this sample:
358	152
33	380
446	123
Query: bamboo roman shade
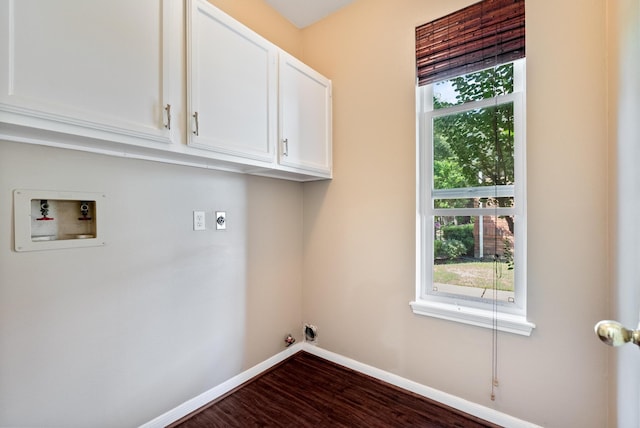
479	36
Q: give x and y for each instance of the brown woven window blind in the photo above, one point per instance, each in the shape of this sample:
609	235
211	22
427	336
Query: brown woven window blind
479	36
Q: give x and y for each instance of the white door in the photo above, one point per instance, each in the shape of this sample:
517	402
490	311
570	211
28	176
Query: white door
90	68
625	15
231	86
305	117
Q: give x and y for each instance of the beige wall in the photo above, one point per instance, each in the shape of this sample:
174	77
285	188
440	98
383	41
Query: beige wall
117	335
359	228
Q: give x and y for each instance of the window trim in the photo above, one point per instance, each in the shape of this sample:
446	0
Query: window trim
509	317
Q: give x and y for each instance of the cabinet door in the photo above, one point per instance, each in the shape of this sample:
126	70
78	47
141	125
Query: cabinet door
231	87
305	118
90	68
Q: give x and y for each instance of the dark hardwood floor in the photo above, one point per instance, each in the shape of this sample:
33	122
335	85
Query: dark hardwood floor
308	391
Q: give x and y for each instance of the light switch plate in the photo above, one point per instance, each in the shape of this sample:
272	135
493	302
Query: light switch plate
199	220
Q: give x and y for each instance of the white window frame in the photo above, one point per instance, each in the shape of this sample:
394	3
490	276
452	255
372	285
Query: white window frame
506	316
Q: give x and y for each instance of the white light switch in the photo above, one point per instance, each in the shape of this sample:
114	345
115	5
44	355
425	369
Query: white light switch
198	220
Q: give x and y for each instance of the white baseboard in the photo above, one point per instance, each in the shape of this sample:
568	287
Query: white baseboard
217	391
458	403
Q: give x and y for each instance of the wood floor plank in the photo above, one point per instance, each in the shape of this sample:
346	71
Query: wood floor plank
308	391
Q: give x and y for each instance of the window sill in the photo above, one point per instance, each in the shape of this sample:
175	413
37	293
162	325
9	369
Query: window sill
508	323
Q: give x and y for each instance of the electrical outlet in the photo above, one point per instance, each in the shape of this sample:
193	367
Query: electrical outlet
221	220
198	220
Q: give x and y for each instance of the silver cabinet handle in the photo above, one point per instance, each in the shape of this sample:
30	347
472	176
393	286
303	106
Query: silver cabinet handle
197	130
168	110
285	147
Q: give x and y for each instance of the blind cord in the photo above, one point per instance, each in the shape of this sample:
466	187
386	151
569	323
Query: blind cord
497	268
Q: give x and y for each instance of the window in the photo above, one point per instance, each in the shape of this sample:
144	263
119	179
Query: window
471	252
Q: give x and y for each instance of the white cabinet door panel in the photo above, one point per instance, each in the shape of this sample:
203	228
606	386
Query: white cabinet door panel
305	117
82	66
231	86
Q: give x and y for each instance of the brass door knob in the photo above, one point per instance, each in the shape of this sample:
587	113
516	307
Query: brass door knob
614	334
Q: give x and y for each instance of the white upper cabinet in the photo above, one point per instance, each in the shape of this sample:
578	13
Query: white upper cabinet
305	118
98	69
175	81
231	87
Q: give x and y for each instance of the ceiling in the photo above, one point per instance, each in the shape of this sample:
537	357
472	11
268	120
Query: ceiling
305	12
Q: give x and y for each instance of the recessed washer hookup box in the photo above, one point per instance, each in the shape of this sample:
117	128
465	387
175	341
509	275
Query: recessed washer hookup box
49	219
